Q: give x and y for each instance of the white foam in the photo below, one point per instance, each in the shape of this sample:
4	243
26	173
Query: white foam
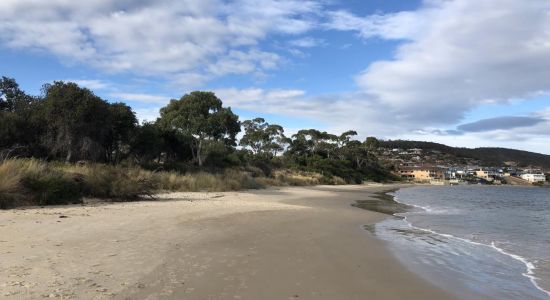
530	267
530	274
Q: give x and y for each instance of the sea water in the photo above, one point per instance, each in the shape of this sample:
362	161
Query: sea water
478	242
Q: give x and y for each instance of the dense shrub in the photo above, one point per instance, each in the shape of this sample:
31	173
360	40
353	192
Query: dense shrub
115	182
33	182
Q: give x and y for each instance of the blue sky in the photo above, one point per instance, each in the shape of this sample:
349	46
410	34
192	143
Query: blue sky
463	72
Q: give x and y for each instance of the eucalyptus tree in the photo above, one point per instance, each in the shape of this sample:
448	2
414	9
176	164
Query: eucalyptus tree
123	124
78	122
19	126
12	98
357	152
201	117
262	138
309	141
372	143
342	141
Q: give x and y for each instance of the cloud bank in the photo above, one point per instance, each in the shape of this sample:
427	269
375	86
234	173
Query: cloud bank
452	57
187	39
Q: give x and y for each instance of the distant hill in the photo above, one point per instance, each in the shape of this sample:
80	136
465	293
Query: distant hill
488	156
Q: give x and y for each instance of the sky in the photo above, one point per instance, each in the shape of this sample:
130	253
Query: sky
472	73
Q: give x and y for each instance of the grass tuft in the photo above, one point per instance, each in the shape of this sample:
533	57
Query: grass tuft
26	182
34	182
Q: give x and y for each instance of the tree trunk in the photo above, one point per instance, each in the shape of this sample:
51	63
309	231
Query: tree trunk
199	158
69	155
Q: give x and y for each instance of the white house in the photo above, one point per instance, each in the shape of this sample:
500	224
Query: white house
534	177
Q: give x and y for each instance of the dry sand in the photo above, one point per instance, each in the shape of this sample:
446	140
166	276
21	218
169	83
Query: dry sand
287	243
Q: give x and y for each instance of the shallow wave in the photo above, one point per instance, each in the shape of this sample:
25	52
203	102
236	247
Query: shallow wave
530	266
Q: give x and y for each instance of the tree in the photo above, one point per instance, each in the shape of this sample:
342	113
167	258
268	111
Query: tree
78	122
372	143
13	99
147	143
20	125
277	139
123	123
201	116
357	152
263	138
343	141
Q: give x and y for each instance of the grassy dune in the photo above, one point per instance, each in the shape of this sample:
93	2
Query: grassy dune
34	182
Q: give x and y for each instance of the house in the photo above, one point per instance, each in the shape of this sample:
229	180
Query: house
415	151
454	173
421	174
534	177
485	174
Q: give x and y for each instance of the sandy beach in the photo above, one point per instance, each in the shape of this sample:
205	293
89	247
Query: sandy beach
278	243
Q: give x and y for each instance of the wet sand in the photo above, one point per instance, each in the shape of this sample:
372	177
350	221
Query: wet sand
287	243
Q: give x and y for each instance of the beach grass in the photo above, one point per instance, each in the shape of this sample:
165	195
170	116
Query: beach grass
34	182
25	182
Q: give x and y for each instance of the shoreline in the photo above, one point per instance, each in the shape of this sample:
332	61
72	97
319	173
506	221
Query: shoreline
400	211
278	243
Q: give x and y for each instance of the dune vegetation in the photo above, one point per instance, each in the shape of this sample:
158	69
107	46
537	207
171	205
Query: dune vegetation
32	182
69	143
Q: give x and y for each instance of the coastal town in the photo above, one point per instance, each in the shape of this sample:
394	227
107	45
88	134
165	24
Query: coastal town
435	167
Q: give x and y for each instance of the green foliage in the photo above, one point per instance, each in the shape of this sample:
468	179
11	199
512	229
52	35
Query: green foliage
264	139
54	188
200	117
123	123
372	143
191	147
76	126
33	182
113	182
20	125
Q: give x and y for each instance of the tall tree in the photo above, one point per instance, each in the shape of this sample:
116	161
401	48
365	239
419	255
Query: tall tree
201	116
147	143
20	125
372	143
343	140
263	138
123	123
12	98
78	122
357	152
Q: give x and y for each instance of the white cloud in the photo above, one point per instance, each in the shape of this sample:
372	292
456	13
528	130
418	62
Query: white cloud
147	114
92	84
339	112
456	55
166	37
307	42
140	97
453	56
401	25
239	62
496	134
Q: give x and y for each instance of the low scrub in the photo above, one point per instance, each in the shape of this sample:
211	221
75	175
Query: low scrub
26	182
33	182
229	180
299	178
114	182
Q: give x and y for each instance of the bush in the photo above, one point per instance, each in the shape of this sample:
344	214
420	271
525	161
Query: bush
229	180
53	188
114	182
11	189
33	182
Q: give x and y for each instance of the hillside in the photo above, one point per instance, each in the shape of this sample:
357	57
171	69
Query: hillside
488	156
